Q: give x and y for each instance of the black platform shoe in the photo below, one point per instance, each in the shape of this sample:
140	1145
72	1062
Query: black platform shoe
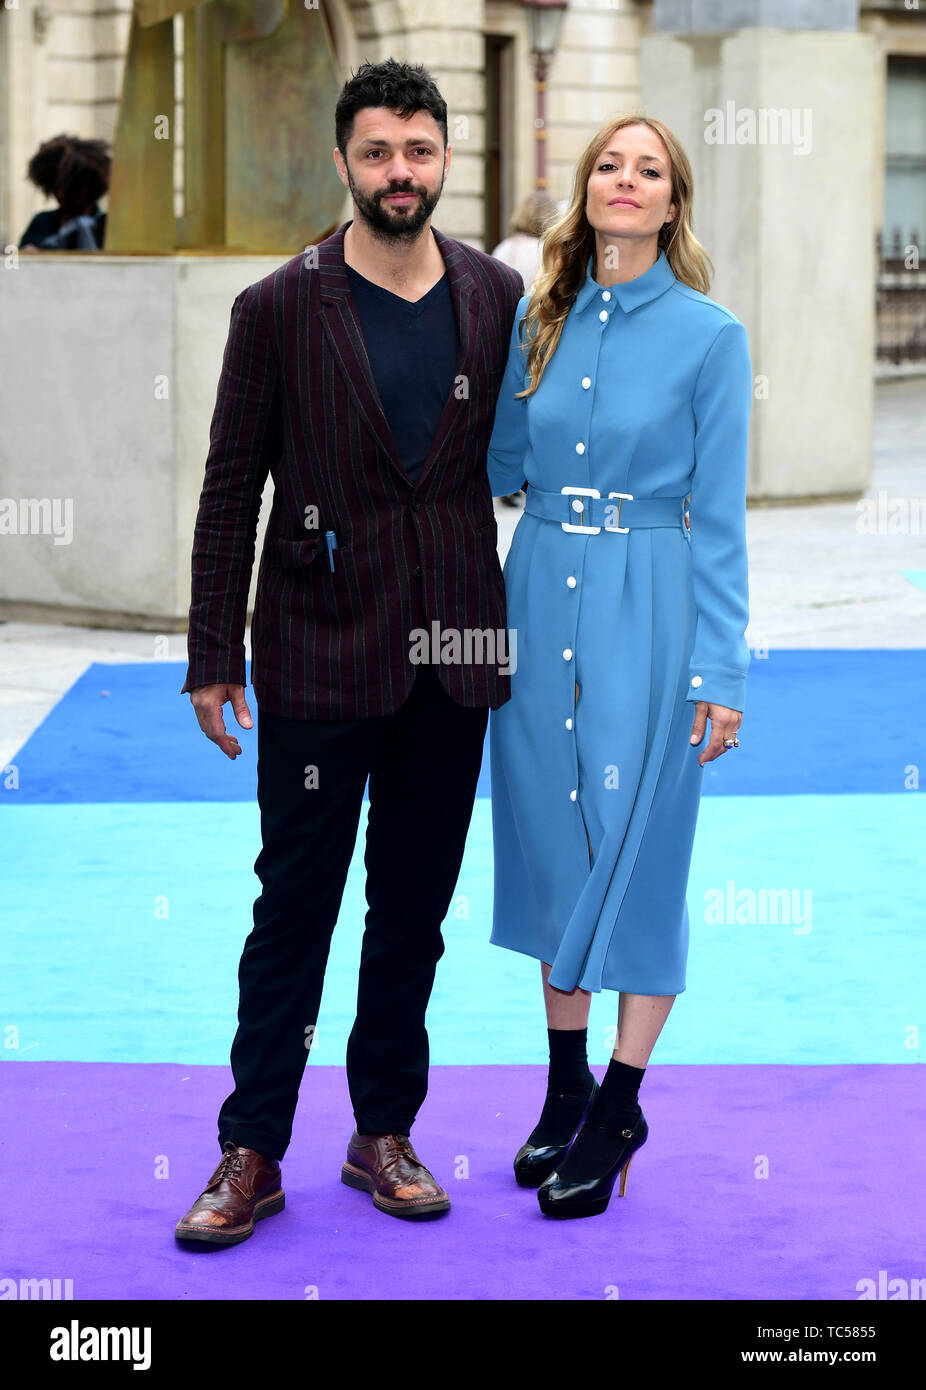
532	1165
560	1198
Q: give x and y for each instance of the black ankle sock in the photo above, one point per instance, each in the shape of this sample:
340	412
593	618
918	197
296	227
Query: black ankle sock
568	1074
617	1098
569	1082
601	1138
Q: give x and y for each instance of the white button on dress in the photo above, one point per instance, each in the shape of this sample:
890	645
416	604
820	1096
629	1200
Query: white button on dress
606	295
571	581
568	723
580	447
696	681
572	796
567	654
603	316
586	382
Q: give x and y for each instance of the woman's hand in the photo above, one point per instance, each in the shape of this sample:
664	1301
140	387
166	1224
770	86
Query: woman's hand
724	724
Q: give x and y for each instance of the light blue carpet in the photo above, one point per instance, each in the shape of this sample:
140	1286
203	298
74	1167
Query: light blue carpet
124	924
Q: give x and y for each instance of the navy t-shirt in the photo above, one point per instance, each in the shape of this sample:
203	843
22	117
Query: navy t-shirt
413	350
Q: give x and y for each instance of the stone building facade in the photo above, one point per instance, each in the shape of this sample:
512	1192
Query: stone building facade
61	67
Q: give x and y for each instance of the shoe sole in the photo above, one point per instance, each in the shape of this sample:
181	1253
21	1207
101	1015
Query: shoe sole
534	1181
362	1181
267	1206
564	1213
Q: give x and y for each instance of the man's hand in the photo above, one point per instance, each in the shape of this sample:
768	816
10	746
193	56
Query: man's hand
208	701
724	724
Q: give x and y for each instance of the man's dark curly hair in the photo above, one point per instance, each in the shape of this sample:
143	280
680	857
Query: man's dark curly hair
74	171
399	86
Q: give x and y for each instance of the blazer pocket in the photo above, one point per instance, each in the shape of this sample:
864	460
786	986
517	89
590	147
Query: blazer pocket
284	554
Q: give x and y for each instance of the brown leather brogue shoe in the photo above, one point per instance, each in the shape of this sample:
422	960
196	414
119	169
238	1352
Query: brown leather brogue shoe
387	1166
244	1188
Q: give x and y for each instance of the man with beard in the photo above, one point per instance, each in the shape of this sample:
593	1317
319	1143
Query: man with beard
362	376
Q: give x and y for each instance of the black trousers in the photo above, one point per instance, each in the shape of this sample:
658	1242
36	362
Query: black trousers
423	765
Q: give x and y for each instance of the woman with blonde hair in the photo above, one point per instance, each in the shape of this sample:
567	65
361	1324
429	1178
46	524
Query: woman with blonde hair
627	394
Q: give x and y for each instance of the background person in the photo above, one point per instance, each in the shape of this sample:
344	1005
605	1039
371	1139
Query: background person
76	173
521	249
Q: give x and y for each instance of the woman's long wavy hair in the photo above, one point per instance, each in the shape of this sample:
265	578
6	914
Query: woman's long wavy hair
569	241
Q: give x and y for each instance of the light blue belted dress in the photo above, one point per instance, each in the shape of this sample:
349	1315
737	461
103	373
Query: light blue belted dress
646	400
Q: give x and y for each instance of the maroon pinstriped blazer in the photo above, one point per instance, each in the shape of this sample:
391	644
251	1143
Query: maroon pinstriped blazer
296	398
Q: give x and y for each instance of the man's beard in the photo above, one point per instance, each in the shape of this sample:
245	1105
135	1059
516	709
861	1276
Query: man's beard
394	223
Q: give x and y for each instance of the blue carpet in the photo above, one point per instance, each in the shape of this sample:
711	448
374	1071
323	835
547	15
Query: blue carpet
815	721
124	924
126	851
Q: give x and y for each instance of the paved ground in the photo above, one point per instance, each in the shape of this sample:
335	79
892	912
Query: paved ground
816	579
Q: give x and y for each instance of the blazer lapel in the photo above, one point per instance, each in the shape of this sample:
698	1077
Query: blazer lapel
345	337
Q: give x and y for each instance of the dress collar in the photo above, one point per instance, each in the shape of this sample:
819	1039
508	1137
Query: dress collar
632	293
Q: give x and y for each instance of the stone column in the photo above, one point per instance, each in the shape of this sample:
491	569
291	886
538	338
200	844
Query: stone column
774	103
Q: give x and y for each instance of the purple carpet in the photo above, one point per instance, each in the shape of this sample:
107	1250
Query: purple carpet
84	1144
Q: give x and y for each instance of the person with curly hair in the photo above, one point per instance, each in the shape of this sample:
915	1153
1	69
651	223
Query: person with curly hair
76	173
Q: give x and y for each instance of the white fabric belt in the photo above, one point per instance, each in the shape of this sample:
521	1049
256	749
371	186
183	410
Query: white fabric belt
584	510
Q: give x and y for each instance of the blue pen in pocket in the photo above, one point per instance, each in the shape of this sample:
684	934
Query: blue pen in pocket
332	544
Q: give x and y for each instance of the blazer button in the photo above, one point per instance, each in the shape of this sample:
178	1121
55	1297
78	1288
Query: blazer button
416	506
417	569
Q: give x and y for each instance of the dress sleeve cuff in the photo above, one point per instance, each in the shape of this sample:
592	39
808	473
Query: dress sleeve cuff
718	686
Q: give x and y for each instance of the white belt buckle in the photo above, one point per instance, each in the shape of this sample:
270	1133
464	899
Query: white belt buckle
625	496
583	492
